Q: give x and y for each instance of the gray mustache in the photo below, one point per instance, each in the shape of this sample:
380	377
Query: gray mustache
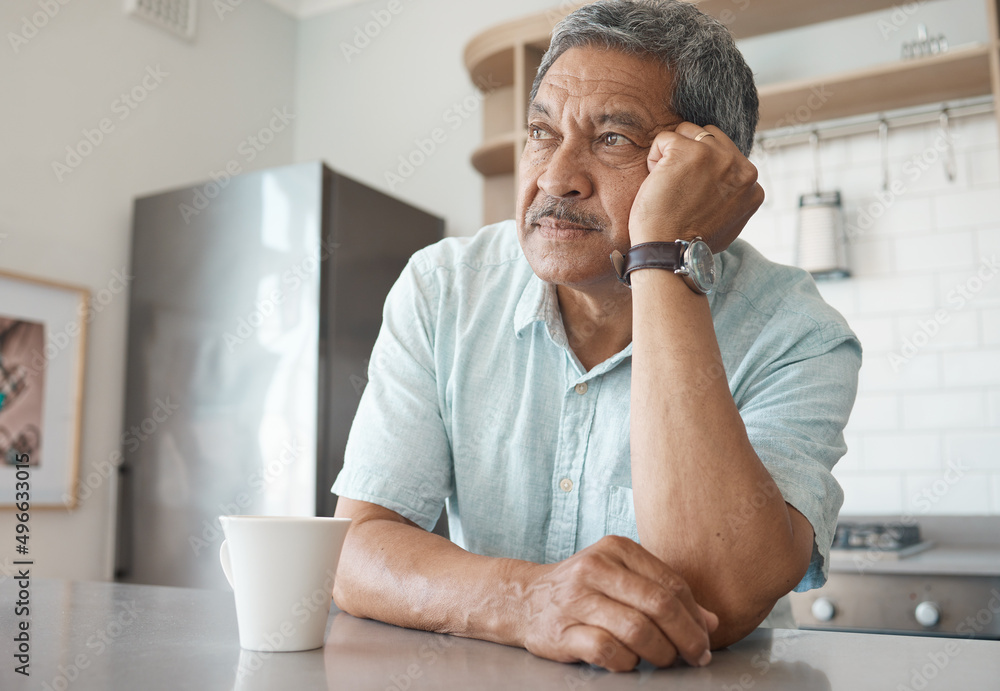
562	210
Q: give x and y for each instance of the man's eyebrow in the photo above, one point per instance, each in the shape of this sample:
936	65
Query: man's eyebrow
536	108
623	118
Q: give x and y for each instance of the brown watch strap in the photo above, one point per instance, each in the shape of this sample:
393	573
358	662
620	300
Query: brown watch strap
649	255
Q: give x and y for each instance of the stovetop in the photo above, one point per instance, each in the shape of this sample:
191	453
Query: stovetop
877	536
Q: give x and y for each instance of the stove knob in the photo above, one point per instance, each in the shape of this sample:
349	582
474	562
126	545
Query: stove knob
927	614
823	609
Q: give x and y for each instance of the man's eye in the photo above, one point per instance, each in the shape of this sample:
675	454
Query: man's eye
538	133
615	139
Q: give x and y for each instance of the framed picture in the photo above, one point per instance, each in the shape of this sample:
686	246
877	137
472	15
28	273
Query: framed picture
42	350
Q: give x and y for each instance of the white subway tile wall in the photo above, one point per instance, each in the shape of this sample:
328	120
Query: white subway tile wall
924	299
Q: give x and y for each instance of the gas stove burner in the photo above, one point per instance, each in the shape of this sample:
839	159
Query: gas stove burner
888	537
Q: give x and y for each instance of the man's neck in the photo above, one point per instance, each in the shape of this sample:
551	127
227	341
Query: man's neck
597	320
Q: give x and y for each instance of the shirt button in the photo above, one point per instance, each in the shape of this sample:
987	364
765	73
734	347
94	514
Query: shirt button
566	484
581	388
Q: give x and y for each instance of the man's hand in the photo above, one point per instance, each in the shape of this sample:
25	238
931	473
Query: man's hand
612	604
701	188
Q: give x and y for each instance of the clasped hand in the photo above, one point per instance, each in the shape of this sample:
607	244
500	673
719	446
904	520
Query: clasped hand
612	604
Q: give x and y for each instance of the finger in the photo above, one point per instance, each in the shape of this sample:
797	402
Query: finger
671	606
711	619
672	611
682	139
650	586
691	131
594	645
633	628
644	563
671	140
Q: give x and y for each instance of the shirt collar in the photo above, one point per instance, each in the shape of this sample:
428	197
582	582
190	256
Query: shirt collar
538	303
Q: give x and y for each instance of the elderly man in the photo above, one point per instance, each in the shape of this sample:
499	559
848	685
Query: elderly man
635	454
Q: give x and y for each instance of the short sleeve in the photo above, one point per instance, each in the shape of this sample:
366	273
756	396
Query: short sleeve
795	411
398	454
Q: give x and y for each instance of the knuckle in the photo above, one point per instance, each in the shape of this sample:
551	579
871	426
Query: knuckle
616	542
658	601
673	584
665	605
634	628
586	564
591	648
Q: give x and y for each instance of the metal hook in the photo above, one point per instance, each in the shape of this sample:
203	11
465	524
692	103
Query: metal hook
762	147
883	138
950	166
814	143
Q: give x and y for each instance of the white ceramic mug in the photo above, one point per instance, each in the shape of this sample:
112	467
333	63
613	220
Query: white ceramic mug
282	570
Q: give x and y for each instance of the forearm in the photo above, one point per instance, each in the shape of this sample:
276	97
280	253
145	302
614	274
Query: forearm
401	574
694	471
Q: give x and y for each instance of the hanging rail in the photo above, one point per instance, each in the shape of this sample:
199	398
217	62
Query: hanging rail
895	119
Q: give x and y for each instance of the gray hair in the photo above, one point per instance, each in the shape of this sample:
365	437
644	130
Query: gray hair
712	84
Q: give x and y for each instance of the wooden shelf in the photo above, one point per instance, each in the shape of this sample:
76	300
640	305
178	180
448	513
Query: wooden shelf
497	155
490	54
953	75
769	16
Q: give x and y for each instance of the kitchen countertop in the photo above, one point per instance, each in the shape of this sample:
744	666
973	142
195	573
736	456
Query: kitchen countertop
103	636
950	560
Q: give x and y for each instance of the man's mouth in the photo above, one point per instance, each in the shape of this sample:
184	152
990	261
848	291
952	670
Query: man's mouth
555	221
554	229
555	225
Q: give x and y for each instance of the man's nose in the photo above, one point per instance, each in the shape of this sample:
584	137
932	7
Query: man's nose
565	174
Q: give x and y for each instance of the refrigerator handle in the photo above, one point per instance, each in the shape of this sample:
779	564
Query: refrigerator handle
123	545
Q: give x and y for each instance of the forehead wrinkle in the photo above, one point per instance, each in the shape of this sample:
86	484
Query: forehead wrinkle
627	107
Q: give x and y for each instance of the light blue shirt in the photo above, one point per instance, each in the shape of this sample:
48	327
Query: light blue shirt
476	401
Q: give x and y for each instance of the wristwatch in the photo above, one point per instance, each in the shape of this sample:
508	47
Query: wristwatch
693	261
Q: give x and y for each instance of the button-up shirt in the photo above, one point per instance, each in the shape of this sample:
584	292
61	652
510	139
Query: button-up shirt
475	400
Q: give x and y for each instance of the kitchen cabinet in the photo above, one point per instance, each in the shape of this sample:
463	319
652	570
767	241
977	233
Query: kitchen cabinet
506	57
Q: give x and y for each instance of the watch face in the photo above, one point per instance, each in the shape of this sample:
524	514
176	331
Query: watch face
701	265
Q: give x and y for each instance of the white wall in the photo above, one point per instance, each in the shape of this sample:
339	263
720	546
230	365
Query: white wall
362	111
924	436
216	92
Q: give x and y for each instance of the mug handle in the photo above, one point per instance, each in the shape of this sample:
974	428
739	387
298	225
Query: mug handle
227	567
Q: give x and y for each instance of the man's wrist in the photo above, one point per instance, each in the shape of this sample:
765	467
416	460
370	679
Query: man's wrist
665	281
653	232
512	611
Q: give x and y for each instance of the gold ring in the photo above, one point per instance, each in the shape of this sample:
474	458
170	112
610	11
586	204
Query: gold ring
701	135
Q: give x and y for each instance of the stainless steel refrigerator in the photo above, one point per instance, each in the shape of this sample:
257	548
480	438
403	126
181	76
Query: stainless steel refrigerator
255	302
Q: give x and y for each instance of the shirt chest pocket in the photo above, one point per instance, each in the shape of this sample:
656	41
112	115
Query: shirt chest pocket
620	518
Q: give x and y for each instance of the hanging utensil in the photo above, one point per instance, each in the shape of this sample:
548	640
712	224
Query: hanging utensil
765	158
950	166
820	246
883	142
814	144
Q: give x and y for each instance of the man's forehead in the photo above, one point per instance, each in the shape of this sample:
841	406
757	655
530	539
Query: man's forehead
629	86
